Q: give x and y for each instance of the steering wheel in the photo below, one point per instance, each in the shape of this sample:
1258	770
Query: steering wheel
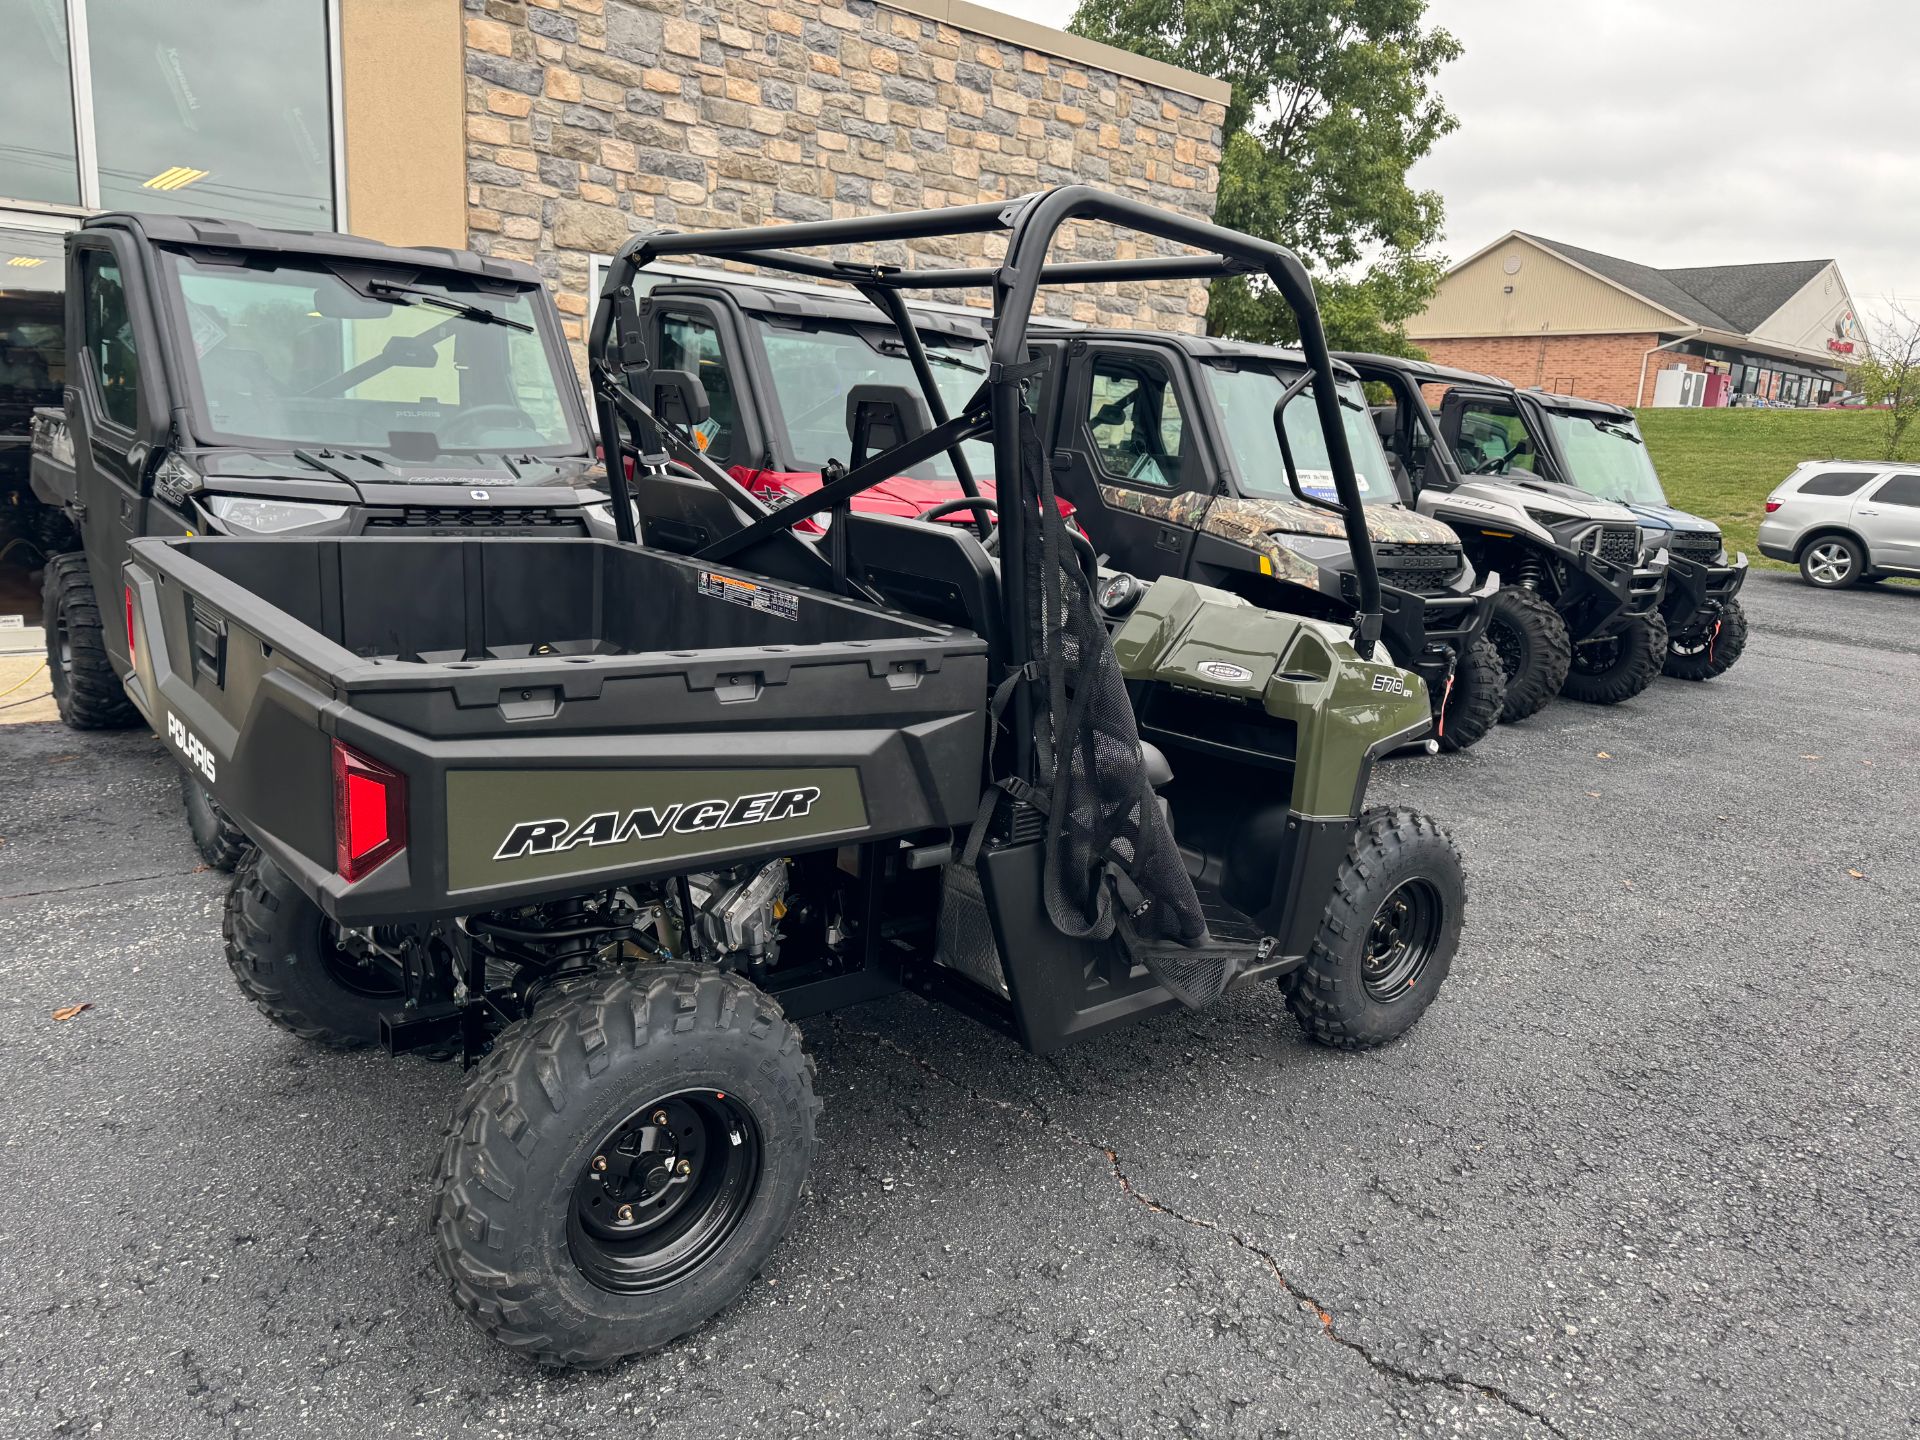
478	416
981	505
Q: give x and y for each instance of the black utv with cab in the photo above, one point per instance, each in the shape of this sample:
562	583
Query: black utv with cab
228	380
607	819
1597	448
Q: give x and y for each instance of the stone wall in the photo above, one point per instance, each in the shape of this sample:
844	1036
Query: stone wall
588	120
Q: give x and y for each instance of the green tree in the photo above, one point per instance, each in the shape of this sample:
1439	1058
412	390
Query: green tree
1332	104
1889	373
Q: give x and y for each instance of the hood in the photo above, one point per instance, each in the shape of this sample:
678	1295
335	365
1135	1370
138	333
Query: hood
1386	524
1250	522
1665	517
374	477
1540	494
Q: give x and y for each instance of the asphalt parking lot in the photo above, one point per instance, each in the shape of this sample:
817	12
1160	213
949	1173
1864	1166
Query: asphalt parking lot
1647	1168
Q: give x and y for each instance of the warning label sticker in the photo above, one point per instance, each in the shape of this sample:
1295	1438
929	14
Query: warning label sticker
764	598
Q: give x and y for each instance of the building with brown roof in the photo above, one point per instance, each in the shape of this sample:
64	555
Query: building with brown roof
1539	312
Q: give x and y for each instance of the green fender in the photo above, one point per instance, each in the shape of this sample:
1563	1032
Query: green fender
1345	710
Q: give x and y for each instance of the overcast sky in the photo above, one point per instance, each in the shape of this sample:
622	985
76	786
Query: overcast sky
1671	134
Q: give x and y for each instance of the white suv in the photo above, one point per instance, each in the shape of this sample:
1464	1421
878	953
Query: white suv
1845	521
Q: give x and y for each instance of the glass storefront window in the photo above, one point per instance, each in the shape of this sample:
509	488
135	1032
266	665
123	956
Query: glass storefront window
33	352
219	108
38	153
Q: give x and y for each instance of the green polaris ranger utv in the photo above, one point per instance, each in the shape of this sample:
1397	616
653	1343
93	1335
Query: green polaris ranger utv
607	819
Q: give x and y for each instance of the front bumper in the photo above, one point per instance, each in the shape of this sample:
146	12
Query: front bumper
1697	592
1426	631
1619	592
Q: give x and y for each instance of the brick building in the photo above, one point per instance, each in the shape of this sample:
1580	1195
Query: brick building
1538	312
587	120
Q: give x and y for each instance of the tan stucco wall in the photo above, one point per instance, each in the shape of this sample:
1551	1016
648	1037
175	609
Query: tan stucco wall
1813	316
403	98
1549	296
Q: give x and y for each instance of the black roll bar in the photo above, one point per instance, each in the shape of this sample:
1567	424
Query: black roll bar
1030	224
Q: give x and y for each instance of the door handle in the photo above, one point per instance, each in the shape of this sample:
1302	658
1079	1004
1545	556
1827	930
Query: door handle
1864	511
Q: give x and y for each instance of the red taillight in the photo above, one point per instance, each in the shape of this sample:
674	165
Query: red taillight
131	656
1773	505
369	813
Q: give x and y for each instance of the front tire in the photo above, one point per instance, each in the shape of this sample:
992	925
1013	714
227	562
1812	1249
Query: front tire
1478	696
1387	941
1833	562
1531	640
623	1164
88	695
1714	651
221	843
287	958
1619	666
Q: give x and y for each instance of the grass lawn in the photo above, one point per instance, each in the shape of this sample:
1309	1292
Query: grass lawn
1721	464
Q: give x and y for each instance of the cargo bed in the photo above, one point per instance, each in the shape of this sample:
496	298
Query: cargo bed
555	714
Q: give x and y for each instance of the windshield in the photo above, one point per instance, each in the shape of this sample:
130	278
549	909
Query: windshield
1608	458
815	366
1246	398
288	353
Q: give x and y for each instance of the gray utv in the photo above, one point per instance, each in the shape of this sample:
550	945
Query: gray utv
228	380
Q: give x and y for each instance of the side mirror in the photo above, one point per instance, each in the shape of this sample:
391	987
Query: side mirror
881	417
679	397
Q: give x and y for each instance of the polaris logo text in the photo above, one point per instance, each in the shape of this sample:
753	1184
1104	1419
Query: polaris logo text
610	827
191	746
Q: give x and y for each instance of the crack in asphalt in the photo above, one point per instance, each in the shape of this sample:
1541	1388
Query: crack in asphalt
8	899
1458	1384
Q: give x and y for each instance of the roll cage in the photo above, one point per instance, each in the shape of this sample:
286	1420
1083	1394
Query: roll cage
626	388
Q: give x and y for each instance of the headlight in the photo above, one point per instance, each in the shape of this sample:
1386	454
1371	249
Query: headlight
1312	547
1652	539
272	517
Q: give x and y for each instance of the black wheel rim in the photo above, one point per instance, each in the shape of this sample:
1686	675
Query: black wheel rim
1597	657
368	979
1506	643
663	1191
1401	940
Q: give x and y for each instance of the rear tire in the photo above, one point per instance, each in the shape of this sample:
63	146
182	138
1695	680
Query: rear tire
285	954
1387	941
221	843
1479	695
577	1263
1833	562
87	693
1530	637
1712	653
1619	666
